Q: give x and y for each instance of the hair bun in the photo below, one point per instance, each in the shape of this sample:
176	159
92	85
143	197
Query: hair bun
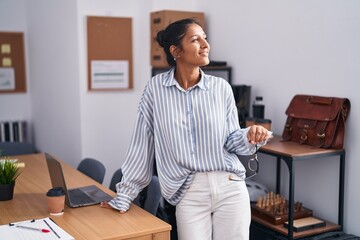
160	37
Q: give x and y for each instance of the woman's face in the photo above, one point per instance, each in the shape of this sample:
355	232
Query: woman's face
194	47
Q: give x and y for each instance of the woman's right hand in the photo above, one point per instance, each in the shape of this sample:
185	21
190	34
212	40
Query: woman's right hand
106	205
258	134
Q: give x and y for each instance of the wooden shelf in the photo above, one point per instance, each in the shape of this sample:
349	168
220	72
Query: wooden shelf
278	147
283	230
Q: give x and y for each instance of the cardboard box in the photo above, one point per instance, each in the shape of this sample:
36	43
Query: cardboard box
160	20
158	57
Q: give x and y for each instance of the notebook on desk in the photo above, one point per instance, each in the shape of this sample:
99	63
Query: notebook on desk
76	197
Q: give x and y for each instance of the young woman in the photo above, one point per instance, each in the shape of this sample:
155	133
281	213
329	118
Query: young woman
188	122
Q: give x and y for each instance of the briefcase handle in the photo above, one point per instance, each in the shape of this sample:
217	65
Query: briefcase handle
319	100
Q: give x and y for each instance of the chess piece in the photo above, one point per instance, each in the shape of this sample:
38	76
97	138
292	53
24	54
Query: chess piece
259	202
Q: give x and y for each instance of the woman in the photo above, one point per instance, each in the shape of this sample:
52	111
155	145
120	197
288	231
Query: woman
188	122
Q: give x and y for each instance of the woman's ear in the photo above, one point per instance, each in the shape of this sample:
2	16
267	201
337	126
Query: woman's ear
174	51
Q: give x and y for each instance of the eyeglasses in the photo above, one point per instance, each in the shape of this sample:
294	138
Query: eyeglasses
253	165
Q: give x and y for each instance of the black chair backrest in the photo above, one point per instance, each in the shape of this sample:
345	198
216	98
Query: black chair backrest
115	179
92	168
153	196
16	148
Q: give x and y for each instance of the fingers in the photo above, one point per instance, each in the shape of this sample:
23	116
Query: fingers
106	205
257	134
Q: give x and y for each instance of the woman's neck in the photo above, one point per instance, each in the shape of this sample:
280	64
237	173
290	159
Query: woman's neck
187	77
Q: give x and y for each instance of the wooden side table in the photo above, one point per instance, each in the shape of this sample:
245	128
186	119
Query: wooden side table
291	152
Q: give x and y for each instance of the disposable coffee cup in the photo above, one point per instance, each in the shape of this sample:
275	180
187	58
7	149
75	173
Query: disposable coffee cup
56	200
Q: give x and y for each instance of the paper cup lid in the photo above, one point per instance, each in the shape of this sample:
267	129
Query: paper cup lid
56	191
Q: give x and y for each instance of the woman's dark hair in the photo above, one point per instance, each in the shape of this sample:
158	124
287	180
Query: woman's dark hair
172	35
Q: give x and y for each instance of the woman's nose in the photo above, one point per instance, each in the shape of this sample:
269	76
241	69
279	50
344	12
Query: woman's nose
205	44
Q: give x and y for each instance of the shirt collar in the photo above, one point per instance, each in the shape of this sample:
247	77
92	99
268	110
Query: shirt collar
169	80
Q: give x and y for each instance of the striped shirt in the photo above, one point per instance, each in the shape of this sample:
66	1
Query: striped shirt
185	131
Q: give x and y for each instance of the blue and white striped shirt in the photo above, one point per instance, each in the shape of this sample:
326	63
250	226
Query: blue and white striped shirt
186	131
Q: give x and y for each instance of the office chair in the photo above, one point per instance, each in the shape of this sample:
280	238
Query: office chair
115	179
153	196
150	199
16	148
92	168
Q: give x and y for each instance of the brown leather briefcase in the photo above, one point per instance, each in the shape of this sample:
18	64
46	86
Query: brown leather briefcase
317	121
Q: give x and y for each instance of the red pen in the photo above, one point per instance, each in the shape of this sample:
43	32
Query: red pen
36	229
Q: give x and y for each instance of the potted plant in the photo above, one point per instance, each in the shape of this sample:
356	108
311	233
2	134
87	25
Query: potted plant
9	171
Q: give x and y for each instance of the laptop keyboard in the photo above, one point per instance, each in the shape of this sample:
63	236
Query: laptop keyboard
79	197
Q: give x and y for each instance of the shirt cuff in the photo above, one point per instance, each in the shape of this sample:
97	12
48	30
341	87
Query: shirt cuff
120	202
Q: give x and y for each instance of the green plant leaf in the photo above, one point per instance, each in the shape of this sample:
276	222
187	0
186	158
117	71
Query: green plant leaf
9	171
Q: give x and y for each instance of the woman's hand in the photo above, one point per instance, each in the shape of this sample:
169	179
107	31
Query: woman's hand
106	205
258	134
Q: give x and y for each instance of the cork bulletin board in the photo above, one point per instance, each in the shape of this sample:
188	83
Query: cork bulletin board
109	50
12	63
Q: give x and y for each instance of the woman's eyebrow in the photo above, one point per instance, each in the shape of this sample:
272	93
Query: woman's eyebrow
198	35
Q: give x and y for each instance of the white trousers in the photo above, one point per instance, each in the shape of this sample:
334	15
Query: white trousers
214	208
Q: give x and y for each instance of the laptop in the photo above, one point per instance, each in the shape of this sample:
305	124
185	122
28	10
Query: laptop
76	197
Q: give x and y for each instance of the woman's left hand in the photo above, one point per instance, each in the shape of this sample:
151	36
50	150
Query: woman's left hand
258	134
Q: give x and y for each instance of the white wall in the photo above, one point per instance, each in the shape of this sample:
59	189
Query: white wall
54	74
16	106
282	48
279	47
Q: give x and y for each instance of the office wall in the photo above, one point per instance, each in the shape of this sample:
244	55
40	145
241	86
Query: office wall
15	106
278	47
54	73
282	48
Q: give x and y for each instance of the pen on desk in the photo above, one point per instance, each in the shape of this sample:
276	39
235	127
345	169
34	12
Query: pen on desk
36	229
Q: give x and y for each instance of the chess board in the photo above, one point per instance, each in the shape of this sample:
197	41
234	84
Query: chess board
274	209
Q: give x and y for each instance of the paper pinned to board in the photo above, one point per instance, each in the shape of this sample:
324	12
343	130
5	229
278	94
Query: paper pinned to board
110	74
7	76
11	232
